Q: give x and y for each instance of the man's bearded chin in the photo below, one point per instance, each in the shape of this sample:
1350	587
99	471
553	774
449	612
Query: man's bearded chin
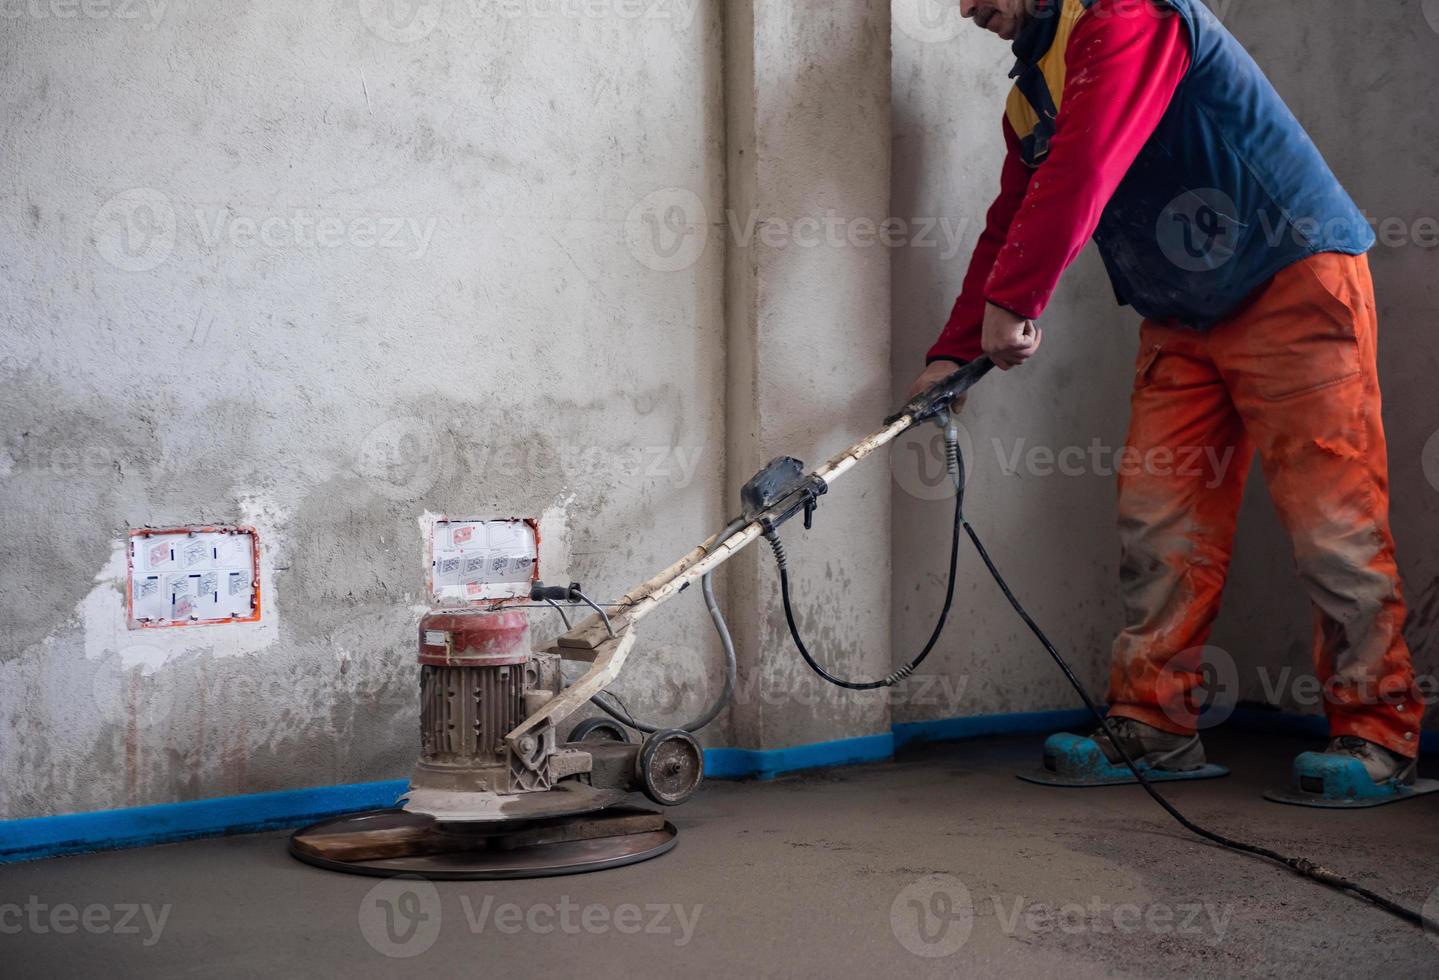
997	22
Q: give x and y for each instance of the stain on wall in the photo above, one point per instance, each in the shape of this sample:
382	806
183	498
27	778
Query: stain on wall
325	272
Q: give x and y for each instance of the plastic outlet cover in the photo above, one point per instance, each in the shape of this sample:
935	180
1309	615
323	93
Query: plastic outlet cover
483	561
193	576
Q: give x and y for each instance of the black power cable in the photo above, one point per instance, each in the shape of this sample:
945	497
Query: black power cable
1302	866
772	536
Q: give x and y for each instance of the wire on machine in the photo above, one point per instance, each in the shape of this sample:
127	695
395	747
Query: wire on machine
610	703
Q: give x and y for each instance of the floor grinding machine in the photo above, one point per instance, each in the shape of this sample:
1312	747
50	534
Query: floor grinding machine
496	794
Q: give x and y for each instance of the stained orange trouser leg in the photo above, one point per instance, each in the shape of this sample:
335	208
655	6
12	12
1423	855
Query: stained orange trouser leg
1181	480
1297	366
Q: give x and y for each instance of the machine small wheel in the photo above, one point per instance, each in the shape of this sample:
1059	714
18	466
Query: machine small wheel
670	766
600	730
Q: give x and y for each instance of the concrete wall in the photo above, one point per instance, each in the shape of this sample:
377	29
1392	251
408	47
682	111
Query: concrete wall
1052	535
335	270
487	328
1352	78
808	305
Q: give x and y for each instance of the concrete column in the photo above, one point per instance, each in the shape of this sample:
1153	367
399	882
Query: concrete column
808	306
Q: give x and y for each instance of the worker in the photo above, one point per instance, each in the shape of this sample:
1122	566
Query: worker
1145	125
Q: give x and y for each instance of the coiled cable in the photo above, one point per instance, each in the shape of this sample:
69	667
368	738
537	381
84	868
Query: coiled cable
771	535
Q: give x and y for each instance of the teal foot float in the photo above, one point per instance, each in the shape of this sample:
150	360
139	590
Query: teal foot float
1077	761
1340	782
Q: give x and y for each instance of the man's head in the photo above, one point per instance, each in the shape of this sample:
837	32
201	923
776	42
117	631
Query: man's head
1003	17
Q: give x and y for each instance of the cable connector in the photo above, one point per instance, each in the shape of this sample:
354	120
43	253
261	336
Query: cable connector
540	592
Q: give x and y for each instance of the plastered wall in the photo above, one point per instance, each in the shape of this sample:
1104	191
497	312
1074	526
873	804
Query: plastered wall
334	270
808	307
326	269
1052	535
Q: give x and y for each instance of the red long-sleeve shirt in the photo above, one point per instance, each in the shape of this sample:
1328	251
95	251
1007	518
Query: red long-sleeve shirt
1123	64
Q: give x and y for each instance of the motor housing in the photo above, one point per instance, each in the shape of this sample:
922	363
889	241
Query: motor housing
479	679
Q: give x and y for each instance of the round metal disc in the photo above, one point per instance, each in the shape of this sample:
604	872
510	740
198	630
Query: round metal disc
384	843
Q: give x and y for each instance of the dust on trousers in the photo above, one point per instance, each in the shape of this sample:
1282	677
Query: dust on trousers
1292	376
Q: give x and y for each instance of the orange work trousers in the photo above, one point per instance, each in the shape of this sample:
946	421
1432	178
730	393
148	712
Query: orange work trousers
1292	374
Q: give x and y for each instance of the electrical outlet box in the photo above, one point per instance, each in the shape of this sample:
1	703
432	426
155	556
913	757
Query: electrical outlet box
483	562
193	576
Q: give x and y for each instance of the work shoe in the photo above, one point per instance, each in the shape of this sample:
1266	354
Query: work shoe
1151	746
1382	765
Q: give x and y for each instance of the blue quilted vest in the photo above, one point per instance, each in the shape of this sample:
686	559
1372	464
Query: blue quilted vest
1228	191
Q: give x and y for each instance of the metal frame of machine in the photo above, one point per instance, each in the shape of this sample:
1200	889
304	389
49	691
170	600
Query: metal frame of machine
586	776
496	793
